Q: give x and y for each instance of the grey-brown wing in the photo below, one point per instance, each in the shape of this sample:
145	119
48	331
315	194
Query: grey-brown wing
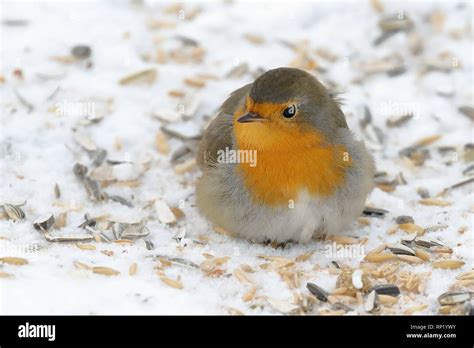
218	135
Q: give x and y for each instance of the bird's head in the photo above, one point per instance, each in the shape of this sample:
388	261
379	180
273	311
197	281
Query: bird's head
285	103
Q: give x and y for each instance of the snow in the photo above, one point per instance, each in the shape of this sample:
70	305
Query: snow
38	150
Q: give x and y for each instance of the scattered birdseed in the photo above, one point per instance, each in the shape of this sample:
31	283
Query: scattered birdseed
105	271
81	51
448	264
372	302
386	289
14	212
433	201
283	306
132	269
44	223
17	261
454	297
171	282
145	76
415	309
404	219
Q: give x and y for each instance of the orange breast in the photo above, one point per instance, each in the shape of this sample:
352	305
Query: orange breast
288	160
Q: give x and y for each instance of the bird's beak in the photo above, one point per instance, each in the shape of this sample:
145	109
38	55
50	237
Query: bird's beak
250	117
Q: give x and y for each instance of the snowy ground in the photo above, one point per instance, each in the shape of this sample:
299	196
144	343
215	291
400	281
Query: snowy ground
332	39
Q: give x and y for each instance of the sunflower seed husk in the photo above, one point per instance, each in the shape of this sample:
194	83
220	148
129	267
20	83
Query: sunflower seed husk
470	309
23	100
80	171
397	121
238	71
84	141
14	212
185	166
176	260
180	152
335	264
283	306
164	213
372	302
180	234
183	131
98	157
15	22
409	239
467	111
187	41
81	51
117	229
366	118
148	76
317	291
57	191
436	228
68	238
166	115
340	305
92	189
44	223
454	297
439	64
423	192
428	242
469	170
120	172
386	289
400	249
149	244
450	188
135	231
391	65
88	221
368	211
60	221
120	200
404	219
190	106
383	37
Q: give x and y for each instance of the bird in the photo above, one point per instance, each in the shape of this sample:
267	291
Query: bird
280	164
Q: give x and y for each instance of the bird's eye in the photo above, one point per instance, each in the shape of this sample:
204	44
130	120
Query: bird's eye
290	111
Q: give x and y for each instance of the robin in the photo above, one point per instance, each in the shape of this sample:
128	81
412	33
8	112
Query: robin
280	164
